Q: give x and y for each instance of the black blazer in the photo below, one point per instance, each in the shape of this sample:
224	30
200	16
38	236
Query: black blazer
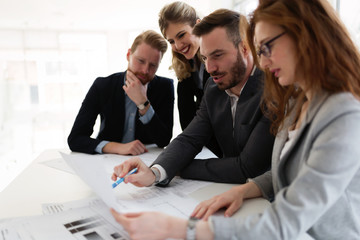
106	98
246	147
189	97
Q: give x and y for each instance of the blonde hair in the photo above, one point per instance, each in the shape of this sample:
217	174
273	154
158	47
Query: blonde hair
152	38
326	55
178	12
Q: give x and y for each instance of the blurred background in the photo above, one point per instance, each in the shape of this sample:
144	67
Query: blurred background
51	51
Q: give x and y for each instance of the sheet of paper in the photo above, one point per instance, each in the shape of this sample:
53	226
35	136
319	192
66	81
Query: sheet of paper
91	169
88	223
53	208
177	186
126	197
59	164
186	186
111	159
132	199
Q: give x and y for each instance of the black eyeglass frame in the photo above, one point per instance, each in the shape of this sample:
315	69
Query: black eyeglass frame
265	48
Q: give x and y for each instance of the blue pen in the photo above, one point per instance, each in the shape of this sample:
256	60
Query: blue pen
120	180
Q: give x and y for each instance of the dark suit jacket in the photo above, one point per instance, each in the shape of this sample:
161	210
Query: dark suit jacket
246	147
189	99
107	98
187	91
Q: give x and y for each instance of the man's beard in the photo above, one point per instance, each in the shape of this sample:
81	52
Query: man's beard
237	72
144	79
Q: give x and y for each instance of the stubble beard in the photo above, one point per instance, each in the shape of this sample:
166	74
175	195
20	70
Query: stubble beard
237	72
144	79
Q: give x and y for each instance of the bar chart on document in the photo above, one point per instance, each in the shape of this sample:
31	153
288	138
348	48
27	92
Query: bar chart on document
81	224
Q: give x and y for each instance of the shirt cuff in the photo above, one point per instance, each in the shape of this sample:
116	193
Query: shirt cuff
162	171
146	118
100	146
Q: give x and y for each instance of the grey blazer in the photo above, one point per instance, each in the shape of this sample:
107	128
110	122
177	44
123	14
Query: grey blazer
315	184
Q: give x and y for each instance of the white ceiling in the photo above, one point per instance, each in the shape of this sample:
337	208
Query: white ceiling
89	14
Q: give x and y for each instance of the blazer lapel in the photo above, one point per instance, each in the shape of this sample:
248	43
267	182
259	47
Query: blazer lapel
119	102
252	86
283	136
279	143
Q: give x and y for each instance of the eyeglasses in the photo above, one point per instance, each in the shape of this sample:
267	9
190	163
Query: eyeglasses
265	48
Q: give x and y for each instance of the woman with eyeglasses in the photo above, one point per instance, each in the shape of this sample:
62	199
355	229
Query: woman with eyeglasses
312	92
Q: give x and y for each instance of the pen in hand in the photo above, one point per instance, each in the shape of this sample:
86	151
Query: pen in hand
120	180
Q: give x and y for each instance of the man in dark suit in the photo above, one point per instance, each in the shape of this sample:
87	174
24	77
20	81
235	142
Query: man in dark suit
135	107
230	109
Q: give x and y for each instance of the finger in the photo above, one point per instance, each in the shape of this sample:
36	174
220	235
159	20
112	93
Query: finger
132	215
200	213
114	177
118	170
126	167
130	76
117	216
232	209
129	82
207	215
211	210
125	88
197	209
138	179
143	148
135	150
139	148
141	144
132	152
133	178
194	212
203	207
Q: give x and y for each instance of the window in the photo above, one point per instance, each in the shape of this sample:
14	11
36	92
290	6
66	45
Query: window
346	8
43	77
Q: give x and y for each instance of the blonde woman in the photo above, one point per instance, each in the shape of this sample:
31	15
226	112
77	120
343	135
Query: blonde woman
176	22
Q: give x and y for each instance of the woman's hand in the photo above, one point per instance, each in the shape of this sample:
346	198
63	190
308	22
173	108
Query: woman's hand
231	200
151	225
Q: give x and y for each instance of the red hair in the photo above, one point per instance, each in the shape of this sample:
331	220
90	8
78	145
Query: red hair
326	55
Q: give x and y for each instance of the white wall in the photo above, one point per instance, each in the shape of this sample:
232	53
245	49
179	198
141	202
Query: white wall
50	53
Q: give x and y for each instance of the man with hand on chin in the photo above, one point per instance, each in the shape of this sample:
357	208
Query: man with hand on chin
135	106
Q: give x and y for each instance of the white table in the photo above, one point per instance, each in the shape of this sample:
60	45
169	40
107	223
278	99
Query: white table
39	184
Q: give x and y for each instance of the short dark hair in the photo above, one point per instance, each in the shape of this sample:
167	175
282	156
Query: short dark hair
152	38
225	18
